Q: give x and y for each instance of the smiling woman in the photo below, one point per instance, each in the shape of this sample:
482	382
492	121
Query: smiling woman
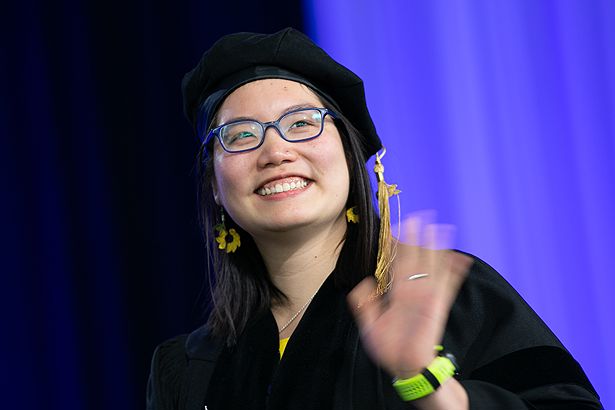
310	311
308	156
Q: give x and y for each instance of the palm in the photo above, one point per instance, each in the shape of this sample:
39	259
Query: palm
401	329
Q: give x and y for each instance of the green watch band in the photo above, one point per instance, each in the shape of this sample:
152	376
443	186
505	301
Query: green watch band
442	368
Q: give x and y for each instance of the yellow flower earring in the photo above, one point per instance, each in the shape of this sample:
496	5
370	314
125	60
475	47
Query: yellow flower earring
228	240
352	215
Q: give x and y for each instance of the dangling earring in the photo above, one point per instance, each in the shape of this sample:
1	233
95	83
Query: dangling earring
228	240
352	215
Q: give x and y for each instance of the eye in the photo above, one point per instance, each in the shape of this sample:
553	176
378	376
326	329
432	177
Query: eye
242	135
239	137
300	123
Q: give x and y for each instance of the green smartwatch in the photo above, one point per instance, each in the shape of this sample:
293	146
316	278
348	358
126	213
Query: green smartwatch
442	368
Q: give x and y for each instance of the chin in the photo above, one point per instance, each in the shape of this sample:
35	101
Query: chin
286	225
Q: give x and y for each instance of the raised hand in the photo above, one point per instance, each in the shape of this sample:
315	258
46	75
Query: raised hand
400	329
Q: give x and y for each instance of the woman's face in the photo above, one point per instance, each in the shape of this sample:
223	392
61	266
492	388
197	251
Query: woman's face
317	168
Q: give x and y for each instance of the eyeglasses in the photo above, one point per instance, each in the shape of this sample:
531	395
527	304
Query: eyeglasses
294	126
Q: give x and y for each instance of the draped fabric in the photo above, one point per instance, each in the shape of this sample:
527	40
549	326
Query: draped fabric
499	115
494	335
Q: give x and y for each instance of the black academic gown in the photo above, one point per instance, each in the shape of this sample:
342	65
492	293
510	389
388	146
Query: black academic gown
508	358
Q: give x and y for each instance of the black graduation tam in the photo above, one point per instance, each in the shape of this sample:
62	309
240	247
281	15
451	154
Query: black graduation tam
239	58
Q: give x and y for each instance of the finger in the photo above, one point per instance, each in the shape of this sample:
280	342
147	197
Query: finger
364	302
413	225
438	237
427	258
408	251
459	267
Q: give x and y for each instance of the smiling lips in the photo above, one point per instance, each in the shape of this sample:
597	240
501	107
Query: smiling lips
276	187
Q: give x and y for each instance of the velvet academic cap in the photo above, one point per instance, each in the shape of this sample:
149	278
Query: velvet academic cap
237	59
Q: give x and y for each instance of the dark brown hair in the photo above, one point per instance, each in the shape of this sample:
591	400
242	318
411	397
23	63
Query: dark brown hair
239	282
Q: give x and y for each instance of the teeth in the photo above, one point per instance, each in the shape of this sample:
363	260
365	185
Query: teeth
285	187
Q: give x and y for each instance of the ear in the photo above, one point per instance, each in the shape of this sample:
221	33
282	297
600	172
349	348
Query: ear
214	190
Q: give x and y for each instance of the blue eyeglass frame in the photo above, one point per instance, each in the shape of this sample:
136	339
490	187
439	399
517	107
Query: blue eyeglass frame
265	126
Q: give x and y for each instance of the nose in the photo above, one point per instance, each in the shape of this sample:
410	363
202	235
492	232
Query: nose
275	149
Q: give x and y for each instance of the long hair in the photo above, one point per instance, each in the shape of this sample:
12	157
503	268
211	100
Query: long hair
239	283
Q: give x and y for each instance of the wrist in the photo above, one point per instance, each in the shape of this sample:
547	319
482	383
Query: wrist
450	396
442	368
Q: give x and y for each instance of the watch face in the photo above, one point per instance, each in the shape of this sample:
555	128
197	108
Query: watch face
452	358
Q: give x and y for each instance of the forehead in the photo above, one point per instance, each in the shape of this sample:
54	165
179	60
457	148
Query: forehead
266	99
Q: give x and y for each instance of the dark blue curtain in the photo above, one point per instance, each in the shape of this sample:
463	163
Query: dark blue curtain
101	253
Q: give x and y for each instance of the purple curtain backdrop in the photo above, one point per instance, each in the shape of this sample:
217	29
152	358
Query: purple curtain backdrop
500	115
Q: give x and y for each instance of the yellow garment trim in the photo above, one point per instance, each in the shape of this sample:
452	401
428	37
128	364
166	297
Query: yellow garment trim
283	343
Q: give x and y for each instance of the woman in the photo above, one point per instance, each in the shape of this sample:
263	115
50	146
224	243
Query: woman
314	305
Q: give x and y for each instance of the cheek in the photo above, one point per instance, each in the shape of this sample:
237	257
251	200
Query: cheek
332	160
228	176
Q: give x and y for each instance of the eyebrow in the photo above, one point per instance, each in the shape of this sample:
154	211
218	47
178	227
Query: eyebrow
285	111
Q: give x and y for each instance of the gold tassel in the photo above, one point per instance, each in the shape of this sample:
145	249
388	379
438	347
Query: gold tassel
385	239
